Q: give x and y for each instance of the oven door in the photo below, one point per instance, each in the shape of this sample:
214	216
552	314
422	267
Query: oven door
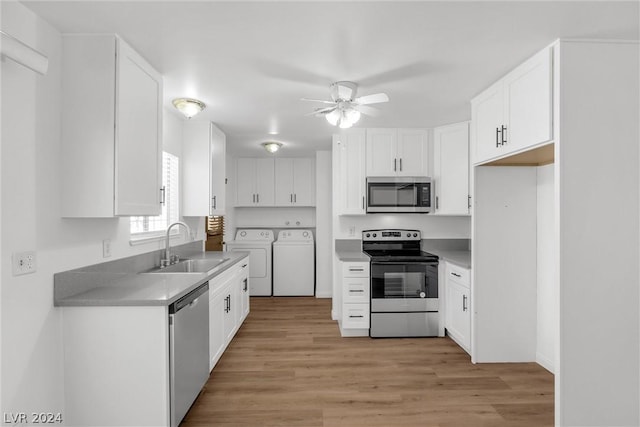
404	286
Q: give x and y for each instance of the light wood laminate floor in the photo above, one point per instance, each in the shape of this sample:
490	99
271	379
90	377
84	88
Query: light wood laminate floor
288	366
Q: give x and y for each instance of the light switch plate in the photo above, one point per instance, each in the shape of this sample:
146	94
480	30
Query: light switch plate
23	263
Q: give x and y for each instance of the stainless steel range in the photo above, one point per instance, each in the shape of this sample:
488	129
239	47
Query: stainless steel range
404	285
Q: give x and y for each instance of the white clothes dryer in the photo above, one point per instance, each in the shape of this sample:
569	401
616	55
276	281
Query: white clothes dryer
294	263
258	243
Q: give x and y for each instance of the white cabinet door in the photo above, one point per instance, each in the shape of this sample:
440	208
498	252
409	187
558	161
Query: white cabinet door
217	171
243	281
304	182
487	121
458	317
203	172
245	182
451	169
528	102
349	181
381	157
265	190
231	312
217	311
138	142
411	152
284	183
111	151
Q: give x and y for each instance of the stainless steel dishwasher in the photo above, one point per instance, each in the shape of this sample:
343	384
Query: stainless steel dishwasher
188	350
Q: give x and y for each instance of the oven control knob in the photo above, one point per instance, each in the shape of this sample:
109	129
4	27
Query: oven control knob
415	234
368	235
375	235
423	295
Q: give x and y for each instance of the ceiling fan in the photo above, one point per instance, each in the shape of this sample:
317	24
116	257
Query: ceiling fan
345	107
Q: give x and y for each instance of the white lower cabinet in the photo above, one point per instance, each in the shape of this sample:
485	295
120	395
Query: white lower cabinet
228	307
458	305
356	311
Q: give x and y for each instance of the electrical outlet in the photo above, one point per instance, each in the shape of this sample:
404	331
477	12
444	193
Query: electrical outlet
352	230
106	248
23	263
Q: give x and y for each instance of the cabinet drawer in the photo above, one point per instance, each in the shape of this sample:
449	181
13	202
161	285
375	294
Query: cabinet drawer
458	274
355	289
355	316
355	269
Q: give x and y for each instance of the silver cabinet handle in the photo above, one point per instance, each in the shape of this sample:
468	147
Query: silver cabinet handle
469	202
291	198
400	164
356	290
214	202
362	202
437	202
163	195
295	198
355	269
394	164
464	303
254	198
497	134
258	198
455	274
245	285
358	316
244	265
504	137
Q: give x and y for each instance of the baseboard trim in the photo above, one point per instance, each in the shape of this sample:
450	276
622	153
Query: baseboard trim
334	315
545	362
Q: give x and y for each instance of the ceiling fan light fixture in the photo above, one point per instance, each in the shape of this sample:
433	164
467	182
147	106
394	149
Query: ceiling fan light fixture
272	146
333	117
189	107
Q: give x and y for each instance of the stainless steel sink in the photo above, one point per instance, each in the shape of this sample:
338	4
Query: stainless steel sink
190	266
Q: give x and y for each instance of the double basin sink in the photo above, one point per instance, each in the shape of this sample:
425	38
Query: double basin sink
197	266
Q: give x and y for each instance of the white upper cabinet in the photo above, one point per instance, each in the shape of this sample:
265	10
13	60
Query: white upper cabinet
349	180
451	169
515	113
255	182
203	172
295	182
111	129
397	152
412	145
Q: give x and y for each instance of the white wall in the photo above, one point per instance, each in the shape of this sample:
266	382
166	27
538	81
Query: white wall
30	176
431	226
547	319
324	242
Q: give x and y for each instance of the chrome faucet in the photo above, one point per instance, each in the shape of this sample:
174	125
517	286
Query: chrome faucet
168	258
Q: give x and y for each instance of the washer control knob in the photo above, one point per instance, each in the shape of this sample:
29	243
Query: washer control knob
375	235
305	234
243	233
368	235
415	234
408	234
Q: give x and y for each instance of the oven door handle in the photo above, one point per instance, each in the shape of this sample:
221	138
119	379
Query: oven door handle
404	262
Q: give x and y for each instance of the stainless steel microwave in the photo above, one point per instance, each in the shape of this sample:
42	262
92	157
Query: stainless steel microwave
399	194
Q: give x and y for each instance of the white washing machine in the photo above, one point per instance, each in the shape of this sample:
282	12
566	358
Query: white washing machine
259	245
294	263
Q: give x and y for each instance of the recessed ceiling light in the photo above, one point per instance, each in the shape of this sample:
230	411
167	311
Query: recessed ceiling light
271	146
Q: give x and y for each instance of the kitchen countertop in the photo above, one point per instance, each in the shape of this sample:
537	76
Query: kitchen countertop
459	258
106	288
352	256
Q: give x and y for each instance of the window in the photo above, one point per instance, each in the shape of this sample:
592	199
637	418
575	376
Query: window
142	226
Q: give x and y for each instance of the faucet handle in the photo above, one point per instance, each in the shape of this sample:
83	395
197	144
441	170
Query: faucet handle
174	259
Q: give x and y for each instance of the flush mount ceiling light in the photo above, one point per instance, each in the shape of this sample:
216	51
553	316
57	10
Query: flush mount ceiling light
271	146
188	106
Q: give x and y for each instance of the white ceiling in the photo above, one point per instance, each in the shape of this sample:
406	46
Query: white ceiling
251	62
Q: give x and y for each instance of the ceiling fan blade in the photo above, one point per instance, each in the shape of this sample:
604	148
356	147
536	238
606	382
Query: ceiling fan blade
317	100
369	111
372	99
321	111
